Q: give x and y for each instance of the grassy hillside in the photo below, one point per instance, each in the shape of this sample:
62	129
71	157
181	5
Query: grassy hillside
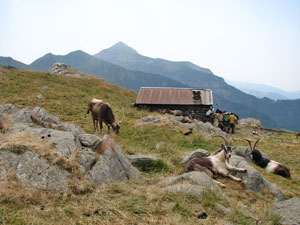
138	202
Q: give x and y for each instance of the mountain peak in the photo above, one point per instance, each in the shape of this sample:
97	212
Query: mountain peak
119	48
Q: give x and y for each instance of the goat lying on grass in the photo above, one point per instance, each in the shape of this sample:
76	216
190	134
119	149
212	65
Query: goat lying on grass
271	166
215	165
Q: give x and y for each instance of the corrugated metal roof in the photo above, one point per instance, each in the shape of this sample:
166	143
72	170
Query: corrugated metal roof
174	96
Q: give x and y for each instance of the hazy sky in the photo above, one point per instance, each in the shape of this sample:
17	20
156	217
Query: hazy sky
242	40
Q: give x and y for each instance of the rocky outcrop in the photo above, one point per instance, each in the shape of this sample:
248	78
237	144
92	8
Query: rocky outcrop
195	183
58	155
60	68
289	210
253	180
245	152
31	169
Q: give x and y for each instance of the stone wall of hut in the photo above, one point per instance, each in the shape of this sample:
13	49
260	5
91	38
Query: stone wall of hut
199	110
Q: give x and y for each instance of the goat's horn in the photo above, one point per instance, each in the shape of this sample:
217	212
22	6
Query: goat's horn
223	146
255	143
249	144
226	142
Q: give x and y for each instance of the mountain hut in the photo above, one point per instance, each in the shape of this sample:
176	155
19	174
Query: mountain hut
188	100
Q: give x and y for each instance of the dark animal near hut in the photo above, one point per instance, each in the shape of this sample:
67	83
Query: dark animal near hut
271	166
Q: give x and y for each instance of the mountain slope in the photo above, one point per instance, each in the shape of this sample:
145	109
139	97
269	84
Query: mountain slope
8	61
112	73
192	75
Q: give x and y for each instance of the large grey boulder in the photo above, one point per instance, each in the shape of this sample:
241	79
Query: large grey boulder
195	180
253	180
289	210
65	143
113	165
22	116
245	152
31	169
195	154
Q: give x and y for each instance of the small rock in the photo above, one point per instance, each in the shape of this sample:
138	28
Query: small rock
40	96
160	145
89	140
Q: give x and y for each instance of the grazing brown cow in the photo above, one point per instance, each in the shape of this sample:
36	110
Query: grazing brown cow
297	135
102	112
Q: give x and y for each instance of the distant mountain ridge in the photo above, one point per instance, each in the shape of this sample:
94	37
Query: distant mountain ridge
8	61
112	73
262	90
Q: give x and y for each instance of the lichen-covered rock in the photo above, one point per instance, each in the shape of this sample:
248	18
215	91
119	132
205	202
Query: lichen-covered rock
43	116
64	142
89	140
71	128
289	210
195	154
113	165
199	180
31	169
245	152
253	180
60	68
7	109
22	116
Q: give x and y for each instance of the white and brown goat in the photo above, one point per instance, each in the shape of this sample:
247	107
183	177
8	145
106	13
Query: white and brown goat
217	164
271	166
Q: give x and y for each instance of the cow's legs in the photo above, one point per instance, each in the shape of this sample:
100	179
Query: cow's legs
95	123
101	126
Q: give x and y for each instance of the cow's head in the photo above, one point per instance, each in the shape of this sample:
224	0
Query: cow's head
116	127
